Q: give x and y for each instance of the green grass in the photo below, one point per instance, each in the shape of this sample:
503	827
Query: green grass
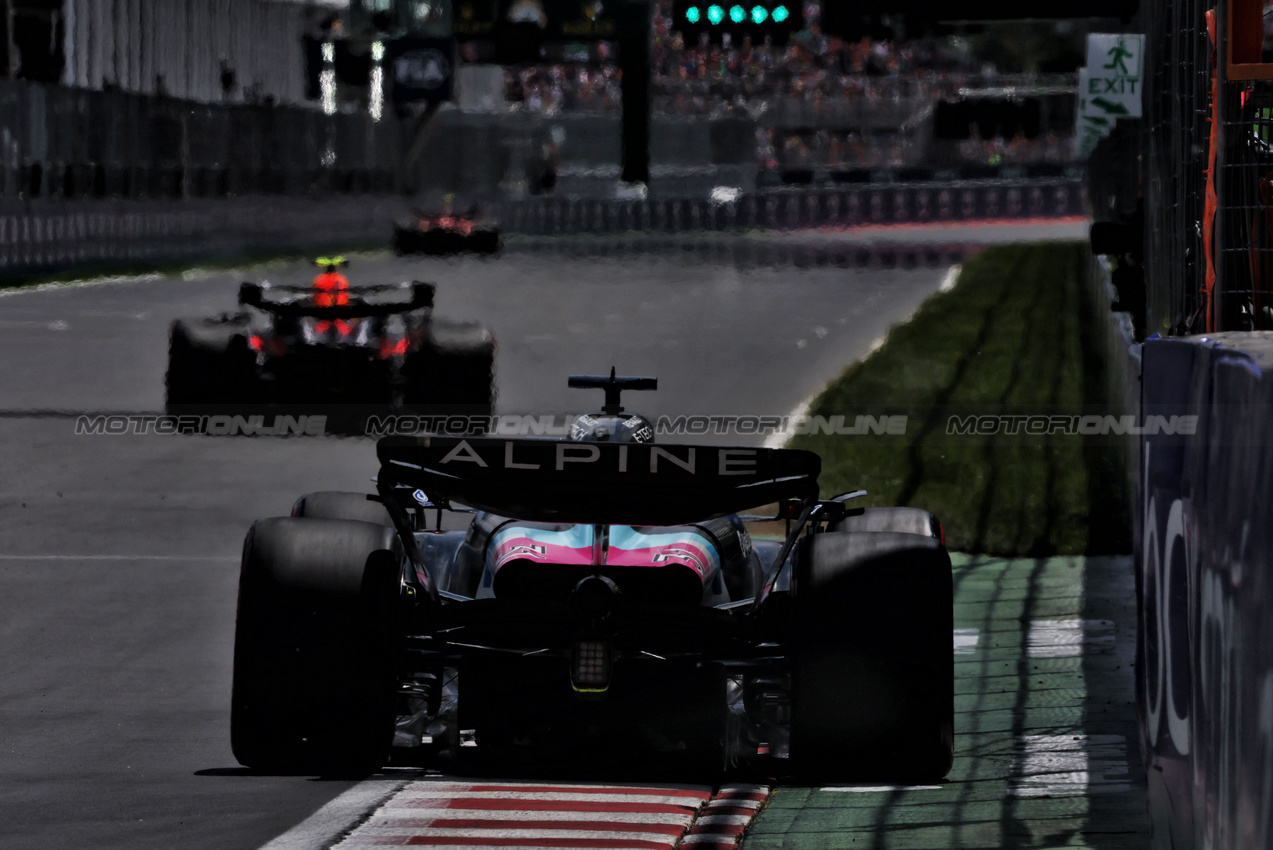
1014	335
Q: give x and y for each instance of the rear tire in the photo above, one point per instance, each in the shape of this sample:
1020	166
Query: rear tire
454	371
314	680
484	242
406	239
902	520
873	661
209	363
332	504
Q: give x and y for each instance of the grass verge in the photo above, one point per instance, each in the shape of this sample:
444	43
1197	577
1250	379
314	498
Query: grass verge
1013	336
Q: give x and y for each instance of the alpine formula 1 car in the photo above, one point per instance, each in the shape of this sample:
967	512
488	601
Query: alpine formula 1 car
364	345
606	600
446	233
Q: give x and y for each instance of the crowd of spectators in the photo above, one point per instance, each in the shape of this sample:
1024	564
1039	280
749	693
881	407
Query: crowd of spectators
815	79
1048	147
836	149
811	67
572	87
706	78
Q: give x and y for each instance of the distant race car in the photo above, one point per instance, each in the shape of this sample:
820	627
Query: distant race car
446	233
605	601
365	345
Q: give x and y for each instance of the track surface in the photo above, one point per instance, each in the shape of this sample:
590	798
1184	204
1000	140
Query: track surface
118	555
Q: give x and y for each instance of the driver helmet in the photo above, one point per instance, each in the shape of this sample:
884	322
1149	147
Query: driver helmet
330	264
611	428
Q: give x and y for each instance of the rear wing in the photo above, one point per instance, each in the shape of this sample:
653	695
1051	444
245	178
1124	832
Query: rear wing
607	483
298	301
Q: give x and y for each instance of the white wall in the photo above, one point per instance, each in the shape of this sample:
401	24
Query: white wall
130	43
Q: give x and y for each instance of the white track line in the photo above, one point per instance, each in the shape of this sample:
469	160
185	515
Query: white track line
779	439
327	824
952	277
8	557
879	789
78	284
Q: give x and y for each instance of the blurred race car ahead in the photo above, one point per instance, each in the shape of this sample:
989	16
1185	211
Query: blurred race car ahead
446	233
605	603
331	343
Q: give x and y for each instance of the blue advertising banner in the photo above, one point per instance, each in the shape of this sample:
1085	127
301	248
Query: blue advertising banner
1205	593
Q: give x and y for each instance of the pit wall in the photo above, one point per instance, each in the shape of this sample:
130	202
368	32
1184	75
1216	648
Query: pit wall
1204	541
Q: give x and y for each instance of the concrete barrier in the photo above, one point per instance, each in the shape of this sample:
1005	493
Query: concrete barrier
55	235
786	209
1122	357
1203	546
64	236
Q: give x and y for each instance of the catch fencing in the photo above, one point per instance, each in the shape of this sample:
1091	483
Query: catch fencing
72	144
1207	169
61	236
114	234
881	204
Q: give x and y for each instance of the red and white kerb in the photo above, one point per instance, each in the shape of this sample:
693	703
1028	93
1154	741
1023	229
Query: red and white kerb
509	816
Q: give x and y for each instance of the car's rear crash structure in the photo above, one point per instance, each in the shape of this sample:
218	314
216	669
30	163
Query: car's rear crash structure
606	600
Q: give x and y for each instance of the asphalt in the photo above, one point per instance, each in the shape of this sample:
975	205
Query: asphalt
118	554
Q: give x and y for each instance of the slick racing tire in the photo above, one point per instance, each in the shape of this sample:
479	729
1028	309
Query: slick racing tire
903	520
454	371
407	239
873	658
484	242
209	363
332	504
313	686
